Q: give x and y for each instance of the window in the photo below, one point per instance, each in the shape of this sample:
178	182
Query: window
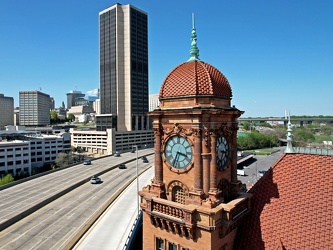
178	195
159	244
172	246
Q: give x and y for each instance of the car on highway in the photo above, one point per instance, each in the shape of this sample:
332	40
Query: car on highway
144	159
87	162
116	154
95	179
122	166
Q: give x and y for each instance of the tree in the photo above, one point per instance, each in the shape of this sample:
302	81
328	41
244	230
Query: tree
71	117
304	135
6	179
53	115
62	160
327	130
246	125
256	140
265	124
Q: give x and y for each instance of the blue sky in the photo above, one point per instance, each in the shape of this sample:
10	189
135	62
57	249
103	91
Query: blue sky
276	54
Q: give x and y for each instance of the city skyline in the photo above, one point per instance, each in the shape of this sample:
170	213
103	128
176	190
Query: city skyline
277	56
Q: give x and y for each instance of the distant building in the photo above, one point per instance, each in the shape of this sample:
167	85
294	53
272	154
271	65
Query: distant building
16	117
83	102
92	95
72	97
77	111
6	111
123	36
52	103
62	113
153	101
34	108
97	106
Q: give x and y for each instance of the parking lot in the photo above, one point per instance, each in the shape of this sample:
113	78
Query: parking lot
258	163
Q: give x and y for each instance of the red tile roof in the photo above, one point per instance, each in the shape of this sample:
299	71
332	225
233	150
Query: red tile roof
292	206
195	78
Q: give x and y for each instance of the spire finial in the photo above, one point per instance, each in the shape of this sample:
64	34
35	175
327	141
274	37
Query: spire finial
194	51
289	148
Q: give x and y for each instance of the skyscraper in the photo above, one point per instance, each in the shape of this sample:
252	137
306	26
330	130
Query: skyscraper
123	42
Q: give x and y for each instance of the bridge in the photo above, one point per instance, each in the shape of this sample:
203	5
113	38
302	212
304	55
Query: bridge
55	210
300	120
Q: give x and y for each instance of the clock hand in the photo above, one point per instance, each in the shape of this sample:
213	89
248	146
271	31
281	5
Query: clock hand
182	154
175	161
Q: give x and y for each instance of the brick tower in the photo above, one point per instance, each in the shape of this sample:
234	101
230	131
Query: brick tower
194	200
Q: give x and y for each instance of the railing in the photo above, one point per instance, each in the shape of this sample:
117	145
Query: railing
168	210
133	233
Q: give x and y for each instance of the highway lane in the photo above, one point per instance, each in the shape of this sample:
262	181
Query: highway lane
53	226
20	200
112	229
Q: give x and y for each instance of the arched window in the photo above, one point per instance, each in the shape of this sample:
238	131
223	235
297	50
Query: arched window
178	195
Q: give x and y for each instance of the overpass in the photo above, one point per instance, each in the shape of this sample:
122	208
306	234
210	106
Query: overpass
298	120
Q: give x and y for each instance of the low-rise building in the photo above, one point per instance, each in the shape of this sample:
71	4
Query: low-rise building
27	151
109	141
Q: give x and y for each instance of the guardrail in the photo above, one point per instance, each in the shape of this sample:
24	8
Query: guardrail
134	231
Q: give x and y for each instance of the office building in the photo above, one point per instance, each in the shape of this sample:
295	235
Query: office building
6	111
34	108
123	43
72	97
154	101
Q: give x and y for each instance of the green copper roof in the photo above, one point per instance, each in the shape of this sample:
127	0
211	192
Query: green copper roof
194	51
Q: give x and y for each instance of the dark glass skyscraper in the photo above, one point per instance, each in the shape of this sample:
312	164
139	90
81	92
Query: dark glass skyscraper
123	42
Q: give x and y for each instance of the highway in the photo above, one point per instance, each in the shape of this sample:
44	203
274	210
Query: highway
112	229
73	203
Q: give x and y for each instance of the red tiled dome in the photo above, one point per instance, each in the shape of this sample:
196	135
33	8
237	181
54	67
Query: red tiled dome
195	78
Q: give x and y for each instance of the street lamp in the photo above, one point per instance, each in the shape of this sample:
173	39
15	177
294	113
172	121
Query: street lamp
137	177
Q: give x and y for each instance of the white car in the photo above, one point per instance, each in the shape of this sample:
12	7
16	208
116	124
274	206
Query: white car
95	180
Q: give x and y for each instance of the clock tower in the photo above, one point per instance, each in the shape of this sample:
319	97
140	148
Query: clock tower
194	200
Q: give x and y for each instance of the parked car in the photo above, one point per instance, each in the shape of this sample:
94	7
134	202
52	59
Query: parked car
122	166
262	172
87	162
95	179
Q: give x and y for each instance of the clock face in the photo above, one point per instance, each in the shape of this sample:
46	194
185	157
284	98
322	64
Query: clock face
178	152
222	152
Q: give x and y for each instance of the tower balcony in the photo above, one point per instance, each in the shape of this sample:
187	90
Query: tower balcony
186	219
